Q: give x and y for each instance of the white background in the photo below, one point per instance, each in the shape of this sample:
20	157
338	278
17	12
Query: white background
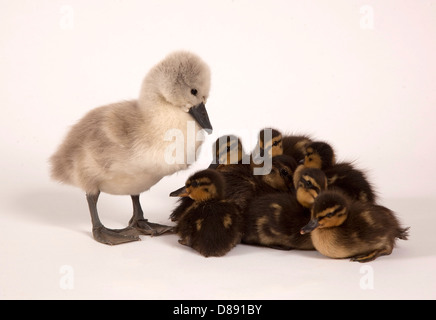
301	66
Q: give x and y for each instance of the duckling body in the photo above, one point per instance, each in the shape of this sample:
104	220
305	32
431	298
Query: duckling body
342	175
275	220
344	228
227	151
122	148
211	225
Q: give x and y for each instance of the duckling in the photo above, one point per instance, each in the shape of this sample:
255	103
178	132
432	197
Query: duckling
275	220
344	228
121	148
339	175
295	145
211	225
308	183
227	150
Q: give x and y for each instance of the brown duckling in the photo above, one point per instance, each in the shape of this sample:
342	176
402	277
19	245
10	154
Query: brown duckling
341	227
275	220
211	225
308	183
339	175
227	151
295	145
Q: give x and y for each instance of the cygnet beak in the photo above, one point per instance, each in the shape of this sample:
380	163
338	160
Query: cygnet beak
181	192
200	115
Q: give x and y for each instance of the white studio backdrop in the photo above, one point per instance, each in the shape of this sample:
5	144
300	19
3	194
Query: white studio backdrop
358	74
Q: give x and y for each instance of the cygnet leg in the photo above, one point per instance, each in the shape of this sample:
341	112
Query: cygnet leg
142	225
105	235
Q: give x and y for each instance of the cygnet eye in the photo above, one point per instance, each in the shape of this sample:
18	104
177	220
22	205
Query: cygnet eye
194	92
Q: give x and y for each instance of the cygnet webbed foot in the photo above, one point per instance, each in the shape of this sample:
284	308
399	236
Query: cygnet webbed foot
143	225
115	236
149	228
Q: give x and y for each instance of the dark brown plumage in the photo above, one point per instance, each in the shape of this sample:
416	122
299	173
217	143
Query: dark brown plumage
227	151
275	221
341	175
294	146
210	225
344	228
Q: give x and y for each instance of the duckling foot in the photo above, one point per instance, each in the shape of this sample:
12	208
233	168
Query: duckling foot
370	257
115	236
149	228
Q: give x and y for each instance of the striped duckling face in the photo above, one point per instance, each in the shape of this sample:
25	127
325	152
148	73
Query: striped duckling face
203	186
319	155
270	142
228	150
281	173
309	182
329	210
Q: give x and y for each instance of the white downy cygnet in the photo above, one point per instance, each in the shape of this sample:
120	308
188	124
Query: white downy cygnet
121	148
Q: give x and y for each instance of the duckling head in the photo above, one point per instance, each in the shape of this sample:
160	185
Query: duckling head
309	182
319	155
182	80
203	186
329	210
227	149
281	174
270	142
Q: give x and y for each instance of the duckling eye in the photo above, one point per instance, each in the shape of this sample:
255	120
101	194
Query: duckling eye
308	183
194	184
276	143
284	172
228	148
330	214
194	92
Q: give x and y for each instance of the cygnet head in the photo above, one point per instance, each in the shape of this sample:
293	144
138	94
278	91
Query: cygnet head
182	80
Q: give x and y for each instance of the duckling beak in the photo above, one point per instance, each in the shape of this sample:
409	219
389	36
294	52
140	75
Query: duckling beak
181	192
200	115
312	225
